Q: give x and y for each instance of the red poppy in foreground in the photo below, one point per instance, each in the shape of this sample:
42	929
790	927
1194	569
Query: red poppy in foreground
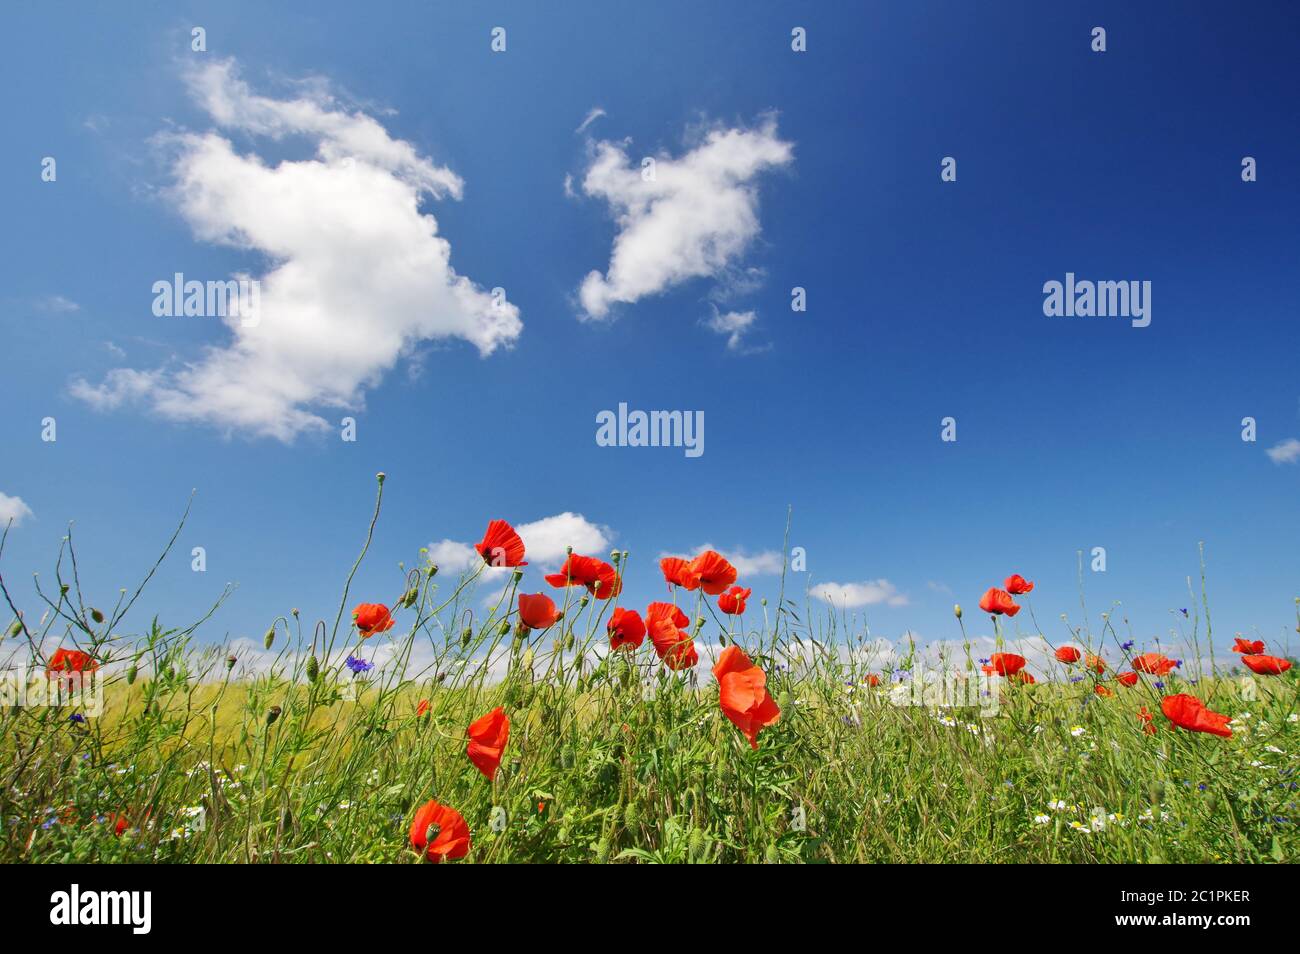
1068	654
1023	677
71	660
439	832
1188	712
1266	665
997	602
873	680
1103	690
1153	664
1249	647
743	695
1017	584
501	545
487	740
666	625
732	602
1144	717
372	618
1005	664
600	579
422	708
537	611
625	628
677	572
1127	679
714	572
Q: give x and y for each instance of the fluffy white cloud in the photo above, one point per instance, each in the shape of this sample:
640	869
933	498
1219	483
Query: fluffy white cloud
763	563
13	508
1285	452
855	595
545	541
733	324
693	218
360	276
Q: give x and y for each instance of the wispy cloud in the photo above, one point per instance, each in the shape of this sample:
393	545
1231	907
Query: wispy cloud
735	325
857	595
13	508
57	304
1285	452
361	275
692	216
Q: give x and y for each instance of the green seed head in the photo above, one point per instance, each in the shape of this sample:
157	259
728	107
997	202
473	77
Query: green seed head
313	669
270	638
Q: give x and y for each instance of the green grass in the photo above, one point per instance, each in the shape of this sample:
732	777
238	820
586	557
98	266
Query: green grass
600	769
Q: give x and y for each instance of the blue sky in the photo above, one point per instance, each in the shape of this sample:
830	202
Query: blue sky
924	297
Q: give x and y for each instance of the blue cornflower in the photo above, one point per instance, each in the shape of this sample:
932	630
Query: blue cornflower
359	666
984	662
1076	679
1183	611
1127	646
1178	664
1160	685
77	717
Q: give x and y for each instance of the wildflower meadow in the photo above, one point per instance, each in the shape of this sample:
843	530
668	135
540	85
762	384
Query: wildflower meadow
712	726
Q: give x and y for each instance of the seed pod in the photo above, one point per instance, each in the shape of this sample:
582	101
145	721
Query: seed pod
272	714
504	627
130	674
96	615
466	635
568	640
630	816
956	610
602	851
696	845
270	638
313	669
16	629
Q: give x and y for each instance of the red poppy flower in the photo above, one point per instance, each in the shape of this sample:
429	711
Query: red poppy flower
997	602
422	708
732	602
657	611
487	740
1006	664
1188	712
372	618
71	660
501	545
1103	690
1144	717
873	680
1068	654
1097	664
1249	647
1127	679
743	695
714	572
597	576
1022	677
1266	665
625	627
673	644
537	611
1153	664
439	832
677	572
1017	584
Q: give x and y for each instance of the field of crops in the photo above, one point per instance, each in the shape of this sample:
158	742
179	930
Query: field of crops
564	726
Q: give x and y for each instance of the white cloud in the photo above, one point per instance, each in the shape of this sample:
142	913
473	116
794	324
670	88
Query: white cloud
545	541
360	277
855	595
693	219
733	324
762	563
13	508
1285	452
592	116
57	304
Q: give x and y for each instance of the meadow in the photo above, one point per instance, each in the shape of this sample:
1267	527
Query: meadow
426	727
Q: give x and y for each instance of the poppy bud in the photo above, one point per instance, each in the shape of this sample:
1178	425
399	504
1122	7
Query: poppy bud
64	589
230	662
442	677
270	637
294	611
956	611
412	595
602	851
722	639
313	669
16	629
630	816
96	615
272	714
432	571
695	845
130	674
568	640
504	627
